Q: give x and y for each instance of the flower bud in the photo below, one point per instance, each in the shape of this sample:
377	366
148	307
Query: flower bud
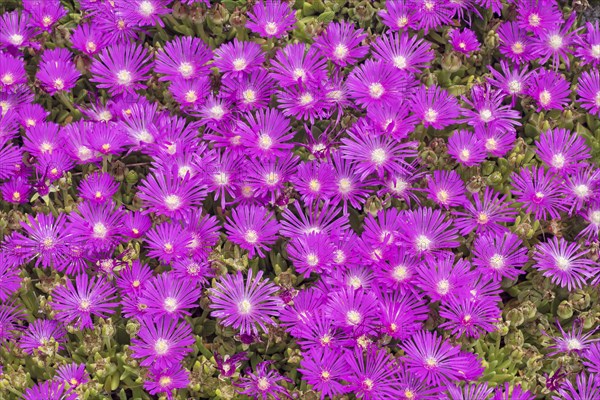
515	316
451	62
565	310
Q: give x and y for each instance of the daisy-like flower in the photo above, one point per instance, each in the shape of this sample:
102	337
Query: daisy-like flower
168	242
16	191
98	187
354	311
464	41
253	228
73	374
435	107
136	224
14	29
42	138
581	187
314	181
306	103
350	189
588	91
587	48
538	191
324	370
121	68
10	159
499	255
53	165
10	281
466	148
426	231
432	359
252	92
171	196
562	151
373	153
162	342
97	226
512	81
574	341
340	43
488	113
44	336
399	15
515	43
238	58
143	12
549	89
384	230
272	18
190	93
311	253
167	296
411	387
183	57
166	380
263	383
12	72
394	120
441	278
50	390
508	392
31	114
44	15
372	375
88	39
297	64
267	178
471	391
537	16
470	318
46	239
134	278
397	270
77	304
564	263
245	304
402	314
266	134
403	51
306	306
586	387
446	188
432	14
591	356
376	83
592	216
57	71
555	42
485	216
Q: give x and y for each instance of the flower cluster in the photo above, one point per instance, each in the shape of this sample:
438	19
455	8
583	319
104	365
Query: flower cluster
172	200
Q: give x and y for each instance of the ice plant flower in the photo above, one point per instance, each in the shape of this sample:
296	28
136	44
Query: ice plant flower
537	190
272	18
562	151
121	68
435	107
464	41
340	43
377	84
549	89
588	90
499	255
252	228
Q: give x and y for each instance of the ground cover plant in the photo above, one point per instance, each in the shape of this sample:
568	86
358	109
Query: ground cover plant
326	199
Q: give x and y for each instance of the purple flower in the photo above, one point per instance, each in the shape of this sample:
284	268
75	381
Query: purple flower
50	390
310	253
168	242
562	151
485	215
354	311
263	384
464	41
238	58
251	92
252	228
581	187
538	191
432	14
441	278
350	188
165	380
121	68
73	374
44	15
14	29
162	342
426	232
499	255
446	188
403	51
555	42
304	103
586	387
170	297
98	187
324	370
397	270
57	71
266	134
375	84
432	359
588	91
468	317
508	392
76	304
402	314
143	12
183	57
550	90
435	107
47	239
97	226
314	181
571	342
297	64
272	18
399	15
88	39
12	72
228	365
515	43
245	304
372	375
466	148
564	263
488	114
511	81
471	391
44	336
16	191
538	16
340	43
587	48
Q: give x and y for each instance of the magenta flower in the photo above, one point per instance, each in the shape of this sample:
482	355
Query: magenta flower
555	42
340	43
88	39
162	342
304	103
466	148
263	384
97	226
397	270
46	239
266	134
587	48
314	181
50	390
537	16
121	68
515	43
376	84
432	14
574	341
166	380
405	52
354	311
167	296
488	114
485	215
471	318
73	374
57	71
238	58
252	92
253	228
245	304
538	191
143	12
297	64
311	253
77	304
43	336
12	72
426	231
564	152
399	15
272	18
350	188
464	41
512	81
499	255
550	90
588	91
324	370
564	263
98	187
371	375
402	314
442	278
183	57
435	107
446	188
508	392
15	29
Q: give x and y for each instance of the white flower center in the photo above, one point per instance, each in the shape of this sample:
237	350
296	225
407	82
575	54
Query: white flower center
299	73
595	51
376	90
378	156
399	62
161	347
400	272
217	112
16	39
124	77
515	86
244	307
186	69
272	178
264	141
497	261
555	41
534	20
595	217
558	160
486	115
191	96
465	155
271	28
517	48
249	95
491	144
239	64
173	202
574	344
306	98
221	178
100	230
263	384
312	259
345	185
146	8
443	196
582	191
353	317
170	304
545	97
341	51
8	79
443	287
562	263
251	236
431	115
423	243
91	47
314	185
